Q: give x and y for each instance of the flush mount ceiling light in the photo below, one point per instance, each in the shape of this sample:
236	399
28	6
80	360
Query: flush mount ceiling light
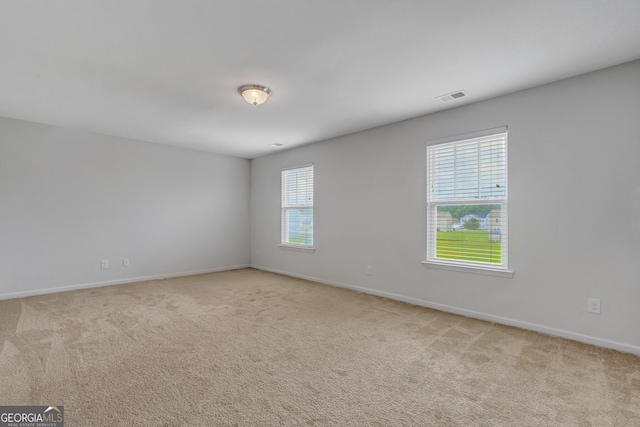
254	94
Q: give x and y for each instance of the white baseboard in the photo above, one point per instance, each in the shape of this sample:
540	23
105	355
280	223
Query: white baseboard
116	282
587	339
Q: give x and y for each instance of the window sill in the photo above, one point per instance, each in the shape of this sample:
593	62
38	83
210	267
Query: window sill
467	269
298	247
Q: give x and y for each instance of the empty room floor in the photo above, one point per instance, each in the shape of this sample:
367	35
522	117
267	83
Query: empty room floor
252	348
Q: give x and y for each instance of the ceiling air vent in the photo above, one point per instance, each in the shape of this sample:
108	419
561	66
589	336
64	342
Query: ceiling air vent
451	96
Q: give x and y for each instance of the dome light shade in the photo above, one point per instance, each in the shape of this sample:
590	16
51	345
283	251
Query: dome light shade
254	94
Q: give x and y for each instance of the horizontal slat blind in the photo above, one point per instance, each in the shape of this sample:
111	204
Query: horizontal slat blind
468	170
297	206
467	202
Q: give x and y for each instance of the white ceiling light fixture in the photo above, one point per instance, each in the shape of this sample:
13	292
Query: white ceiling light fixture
254	94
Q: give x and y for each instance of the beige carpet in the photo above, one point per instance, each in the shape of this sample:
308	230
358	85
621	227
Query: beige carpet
249	348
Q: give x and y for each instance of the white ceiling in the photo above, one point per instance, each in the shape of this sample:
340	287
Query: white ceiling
167	71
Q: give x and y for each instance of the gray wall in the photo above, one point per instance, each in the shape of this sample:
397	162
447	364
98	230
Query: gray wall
69	199
574	210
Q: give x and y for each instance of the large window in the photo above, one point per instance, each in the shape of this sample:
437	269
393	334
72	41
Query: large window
297	207
467	201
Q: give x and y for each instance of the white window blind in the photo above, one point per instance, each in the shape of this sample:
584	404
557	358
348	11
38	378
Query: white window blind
297	206
467	201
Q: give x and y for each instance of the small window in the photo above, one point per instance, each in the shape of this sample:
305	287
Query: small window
467	201
297	207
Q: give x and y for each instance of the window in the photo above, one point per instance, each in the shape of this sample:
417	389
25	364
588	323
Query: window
297	207
467	201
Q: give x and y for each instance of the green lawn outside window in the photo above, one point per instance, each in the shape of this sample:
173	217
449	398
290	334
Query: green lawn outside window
468	245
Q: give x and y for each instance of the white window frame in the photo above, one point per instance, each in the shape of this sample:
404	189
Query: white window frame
433	201
286	205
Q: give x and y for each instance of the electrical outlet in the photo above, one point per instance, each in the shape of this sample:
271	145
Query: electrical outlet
125	262
104	263
368	270
593	305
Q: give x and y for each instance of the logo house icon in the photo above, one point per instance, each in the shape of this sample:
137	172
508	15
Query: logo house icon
54	415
